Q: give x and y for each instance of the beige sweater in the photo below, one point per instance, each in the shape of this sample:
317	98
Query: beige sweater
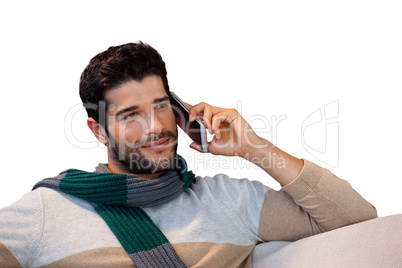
216	223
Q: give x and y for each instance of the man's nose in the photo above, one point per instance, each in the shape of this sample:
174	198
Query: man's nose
154	125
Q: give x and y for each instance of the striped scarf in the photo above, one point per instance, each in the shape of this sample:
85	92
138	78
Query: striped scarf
118	199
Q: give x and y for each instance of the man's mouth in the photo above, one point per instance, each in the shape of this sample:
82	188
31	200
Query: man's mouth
156	145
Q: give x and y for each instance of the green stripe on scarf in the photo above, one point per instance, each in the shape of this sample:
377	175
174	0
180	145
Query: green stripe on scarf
96	186
122	221
118	199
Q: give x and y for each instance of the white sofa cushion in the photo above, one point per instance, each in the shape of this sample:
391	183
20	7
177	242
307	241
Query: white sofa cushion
373	243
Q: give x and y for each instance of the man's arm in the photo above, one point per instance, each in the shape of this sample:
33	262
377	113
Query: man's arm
316	201
311	200
235	137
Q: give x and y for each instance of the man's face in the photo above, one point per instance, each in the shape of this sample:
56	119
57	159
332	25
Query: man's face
142	131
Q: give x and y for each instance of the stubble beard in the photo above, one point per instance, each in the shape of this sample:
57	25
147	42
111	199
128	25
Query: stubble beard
131	160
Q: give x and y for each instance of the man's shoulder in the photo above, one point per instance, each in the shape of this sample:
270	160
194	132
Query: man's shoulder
45	199
43	218
53	200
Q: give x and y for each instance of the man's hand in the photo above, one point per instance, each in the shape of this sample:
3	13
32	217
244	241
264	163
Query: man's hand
233	136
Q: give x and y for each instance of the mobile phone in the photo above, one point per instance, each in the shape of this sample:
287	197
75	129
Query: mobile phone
195	130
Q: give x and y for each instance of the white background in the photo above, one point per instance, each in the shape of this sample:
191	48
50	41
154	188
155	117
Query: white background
280	63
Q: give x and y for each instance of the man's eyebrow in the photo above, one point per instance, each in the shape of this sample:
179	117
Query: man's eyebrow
161	99
128	109
135	107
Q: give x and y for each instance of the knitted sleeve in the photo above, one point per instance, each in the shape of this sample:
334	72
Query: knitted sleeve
317	201
21	225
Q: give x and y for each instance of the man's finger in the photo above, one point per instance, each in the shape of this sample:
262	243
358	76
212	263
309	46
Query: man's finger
196	147
226	116
188	104
196	109
202	108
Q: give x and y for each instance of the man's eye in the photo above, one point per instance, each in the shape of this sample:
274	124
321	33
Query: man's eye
162	105
131	115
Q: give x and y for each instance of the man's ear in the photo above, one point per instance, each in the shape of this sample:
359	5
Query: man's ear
98	130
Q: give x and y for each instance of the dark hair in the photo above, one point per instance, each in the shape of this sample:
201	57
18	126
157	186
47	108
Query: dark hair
114	67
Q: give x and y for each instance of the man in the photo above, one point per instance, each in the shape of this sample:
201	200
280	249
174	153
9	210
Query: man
144	208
